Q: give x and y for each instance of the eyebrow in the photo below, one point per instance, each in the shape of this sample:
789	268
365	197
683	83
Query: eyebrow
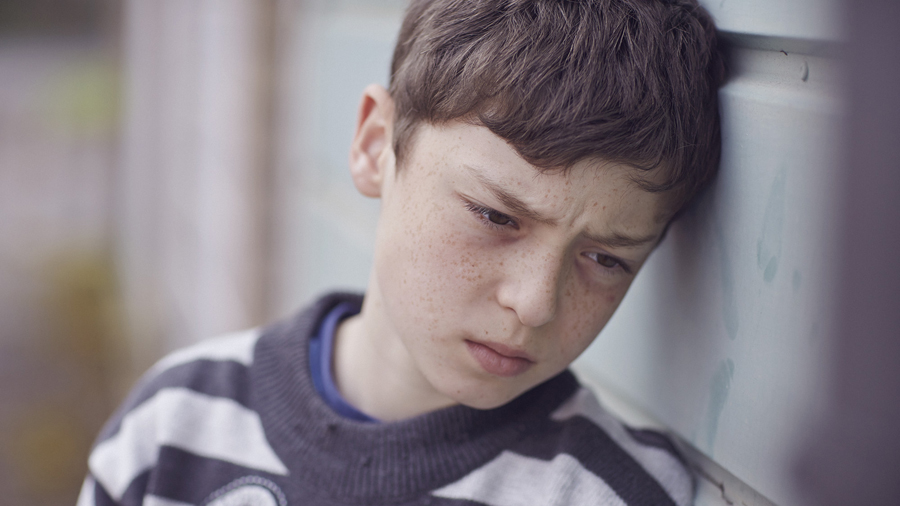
622	241
513	203
520	208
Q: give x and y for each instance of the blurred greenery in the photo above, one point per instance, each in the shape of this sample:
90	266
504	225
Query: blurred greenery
77	365
66	355
84	99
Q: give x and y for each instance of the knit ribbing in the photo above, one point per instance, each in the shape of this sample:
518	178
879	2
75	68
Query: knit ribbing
353	461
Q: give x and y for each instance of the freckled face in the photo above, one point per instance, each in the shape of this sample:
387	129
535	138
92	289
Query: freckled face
494	276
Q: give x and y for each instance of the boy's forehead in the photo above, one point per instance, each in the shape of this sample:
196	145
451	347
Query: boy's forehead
461	140
488	162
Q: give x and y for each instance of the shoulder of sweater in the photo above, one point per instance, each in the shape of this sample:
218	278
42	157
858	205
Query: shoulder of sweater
183	399
211	367
219	367
585	454
652	450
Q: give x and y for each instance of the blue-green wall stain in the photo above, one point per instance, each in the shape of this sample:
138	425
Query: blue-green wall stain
768	246
729	301
719	387
771	269
796	280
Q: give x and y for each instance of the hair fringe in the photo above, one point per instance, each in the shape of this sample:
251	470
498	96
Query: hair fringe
629	81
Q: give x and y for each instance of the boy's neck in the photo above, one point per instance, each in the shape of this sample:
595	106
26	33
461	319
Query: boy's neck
375	373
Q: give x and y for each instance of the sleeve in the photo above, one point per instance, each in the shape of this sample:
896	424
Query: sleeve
93	494
173	406
652	451
86	497
124	455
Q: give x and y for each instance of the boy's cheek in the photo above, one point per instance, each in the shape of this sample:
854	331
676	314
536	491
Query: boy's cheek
586	312
426	267
444	251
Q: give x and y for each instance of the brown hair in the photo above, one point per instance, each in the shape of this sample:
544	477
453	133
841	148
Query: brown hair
562	81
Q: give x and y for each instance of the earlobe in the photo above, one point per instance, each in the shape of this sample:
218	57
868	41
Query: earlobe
371	152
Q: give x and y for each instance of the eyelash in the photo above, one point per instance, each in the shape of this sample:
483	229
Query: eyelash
484	215
619	264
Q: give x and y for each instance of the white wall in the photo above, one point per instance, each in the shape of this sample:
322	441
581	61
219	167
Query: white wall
333	49
724	336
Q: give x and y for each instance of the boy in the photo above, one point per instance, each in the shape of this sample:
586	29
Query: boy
529	156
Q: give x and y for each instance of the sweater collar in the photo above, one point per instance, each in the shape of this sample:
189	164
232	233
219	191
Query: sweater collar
356	461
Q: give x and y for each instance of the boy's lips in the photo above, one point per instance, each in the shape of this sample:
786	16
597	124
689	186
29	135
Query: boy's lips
499	359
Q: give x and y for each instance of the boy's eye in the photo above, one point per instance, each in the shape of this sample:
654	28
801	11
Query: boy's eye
608	261
497	218
491	217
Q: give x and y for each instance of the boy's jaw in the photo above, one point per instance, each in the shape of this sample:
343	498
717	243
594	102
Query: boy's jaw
472	301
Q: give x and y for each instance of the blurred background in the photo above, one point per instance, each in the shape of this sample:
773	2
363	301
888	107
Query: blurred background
63	349
151	195
175	169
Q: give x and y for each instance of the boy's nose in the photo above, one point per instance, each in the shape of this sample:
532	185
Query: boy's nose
531	289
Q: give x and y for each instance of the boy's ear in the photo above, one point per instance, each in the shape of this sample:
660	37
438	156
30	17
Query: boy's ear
371	152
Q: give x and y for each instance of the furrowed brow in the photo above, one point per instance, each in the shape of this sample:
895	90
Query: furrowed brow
510	201
622	241
521	209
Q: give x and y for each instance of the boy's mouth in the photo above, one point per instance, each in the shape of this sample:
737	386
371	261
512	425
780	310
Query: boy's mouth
498	359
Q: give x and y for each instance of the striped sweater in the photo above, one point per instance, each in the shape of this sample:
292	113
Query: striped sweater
236	421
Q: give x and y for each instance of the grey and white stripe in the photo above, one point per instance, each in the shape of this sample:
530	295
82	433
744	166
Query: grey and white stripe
660	464
237	347
517	480
206	426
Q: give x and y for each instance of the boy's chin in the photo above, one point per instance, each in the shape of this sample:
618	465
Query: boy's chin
484	397
485	405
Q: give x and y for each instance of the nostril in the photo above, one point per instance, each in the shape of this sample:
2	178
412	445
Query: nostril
535	307
532	288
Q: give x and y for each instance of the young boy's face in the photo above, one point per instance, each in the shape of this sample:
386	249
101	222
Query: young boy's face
492	275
